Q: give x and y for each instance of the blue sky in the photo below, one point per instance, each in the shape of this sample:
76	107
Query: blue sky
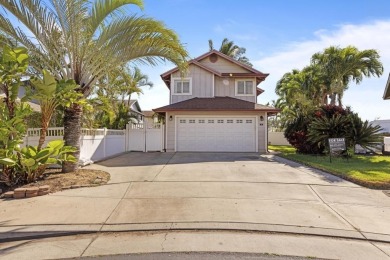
279	36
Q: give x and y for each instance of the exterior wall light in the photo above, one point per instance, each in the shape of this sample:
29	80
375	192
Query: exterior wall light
261	118
170	118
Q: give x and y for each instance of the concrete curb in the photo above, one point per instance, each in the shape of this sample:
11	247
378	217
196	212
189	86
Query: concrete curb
17	233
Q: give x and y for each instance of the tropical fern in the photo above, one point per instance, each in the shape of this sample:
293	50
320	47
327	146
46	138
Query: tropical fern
364	133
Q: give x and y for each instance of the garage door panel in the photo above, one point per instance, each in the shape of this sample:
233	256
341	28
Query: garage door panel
216	134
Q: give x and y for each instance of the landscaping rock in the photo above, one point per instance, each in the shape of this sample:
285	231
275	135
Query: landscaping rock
20	190
19	195
41	193
97	181
32	190
30	195
8	194
44	188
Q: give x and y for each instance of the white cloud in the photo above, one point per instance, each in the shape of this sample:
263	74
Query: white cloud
366	98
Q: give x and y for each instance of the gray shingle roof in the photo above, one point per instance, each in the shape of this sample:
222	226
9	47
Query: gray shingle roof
216	103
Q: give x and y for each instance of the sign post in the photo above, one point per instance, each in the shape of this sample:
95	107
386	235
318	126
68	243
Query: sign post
336	146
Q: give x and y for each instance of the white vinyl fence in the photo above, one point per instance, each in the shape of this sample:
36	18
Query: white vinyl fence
386	142
145	137
95	144
277	138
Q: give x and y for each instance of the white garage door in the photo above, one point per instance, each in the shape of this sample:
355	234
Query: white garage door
216	134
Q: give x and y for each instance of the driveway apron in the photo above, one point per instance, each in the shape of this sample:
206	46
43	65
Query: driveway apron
208	190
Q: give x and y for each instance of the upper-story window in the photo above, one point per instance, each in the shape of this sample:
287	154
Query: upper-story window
245	88
182	86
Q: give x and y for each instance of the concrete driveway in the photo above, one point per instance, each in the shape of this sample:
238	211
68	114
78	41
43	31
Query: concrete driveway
208	191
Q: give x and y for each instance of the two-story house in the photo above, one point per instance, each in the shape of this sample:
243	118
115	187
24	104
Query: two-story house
214	107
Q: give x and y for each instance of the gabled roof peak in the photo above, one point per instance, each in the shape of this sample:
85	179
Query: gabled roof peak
207	54
196	61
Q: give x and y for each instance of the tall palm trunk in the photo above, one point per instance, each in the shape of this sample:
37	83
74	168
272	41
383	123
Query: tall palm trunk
333	97
42	136
340	99
46	116
72	133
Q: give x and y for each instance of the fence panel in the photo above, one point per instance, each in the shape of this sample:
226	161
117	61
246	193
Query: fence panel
91	148
277	138
386	144
95	144
136	140
115	142
145	137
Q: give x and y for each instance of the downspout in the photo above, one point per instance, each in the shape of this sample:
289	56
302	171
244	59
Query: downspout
266	135
166	132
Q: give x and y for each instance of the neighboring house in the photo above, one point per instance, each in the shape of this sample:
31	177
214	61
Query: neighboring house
386	95
150	116
214	107
384	124
135	110
22	92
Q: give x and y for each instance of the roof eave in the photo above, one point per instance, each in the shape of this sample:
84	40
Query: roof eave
166	75
229	59
386	94
211	110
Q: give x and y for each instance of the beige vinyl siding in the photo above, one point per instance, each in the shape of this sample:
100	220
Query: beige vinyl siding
222	90
170	143
170	128
224	66
202	84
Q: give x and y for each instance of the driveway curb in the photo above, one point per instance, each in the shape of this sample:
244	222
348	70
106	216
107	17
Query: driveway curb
51	231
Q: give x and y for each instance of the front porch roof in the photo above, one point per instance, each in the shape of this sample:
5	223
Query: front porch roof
216	104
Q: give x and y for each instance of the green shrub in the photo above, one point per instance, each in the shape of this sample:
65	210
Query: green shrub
309	134
30	163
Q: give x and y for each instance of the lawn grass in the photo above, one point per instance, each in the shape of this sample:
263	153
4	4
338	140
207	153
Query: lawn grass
372	171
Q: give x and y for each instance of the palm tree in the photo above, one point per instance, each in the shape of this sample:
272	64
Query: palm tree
136	81
110	97
50	95
83	40
232	50
293	93
125	82
342	66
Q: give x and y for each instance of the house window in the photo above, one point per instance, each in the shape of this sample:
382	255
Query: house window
182	86
244	87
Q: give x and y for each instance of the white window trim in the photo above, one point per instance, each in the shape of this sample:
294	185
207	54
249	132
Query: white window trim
181	94
247	95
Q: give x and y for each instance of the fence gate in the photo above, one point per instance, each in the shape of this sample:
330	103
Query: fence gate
145	137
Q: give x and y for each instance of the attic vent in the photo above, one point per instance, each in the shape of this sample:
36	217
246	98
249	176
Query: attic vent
213	58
